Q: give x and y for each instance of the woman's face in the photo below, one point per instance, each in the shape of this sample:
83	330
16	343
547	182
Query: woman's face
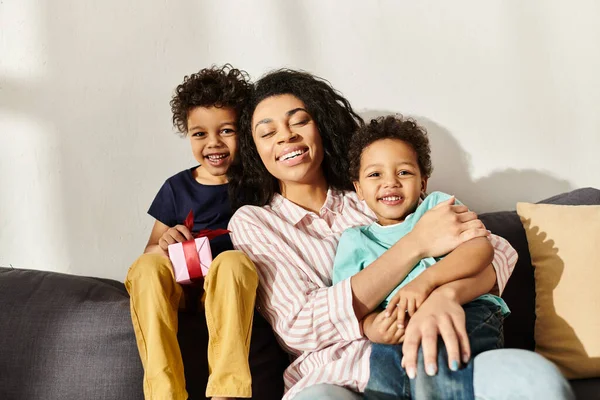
287	140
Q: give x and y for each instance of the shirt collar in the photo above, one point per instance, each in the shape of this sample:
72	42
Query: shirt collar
293	213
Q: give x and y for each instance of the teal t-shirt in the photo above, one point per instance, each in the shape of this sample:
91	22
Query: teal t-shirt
360	246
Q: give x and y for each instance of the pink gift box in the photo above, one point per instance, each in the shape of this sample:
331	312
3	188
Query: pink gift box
184	273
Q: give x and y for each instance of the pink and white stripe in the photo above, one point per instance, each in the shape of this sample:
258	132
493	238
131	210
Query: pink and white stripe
293	250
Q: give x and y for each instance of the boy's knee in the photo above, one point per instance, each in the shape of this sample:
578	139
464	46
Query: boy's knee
150	266
234	264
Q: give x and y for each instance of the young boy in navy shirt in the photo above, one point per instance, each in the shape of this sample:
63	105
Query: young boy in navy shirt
205	109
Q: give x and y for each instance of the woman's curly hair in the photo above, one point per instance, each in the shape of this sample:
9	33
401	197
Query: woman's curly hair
249	181
391	127
211	87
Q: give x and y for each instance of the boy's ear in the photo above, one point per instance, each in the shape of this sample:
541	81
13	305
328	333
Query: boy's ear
358	190
424	185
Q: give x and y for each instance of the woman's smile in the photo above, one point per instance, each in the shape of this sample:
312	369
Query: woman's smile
286	136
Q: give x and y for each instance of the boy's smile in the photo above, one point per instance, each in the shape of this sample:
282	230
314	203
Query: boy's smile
390	181
212	133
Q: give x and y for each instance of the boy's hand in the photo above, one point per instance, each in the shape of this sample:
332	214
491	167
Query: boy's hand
381	329
409	298
177	234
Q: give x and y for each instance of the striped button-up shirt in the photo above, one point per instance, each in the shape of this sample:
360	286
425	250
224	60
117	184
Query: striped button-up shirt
293	250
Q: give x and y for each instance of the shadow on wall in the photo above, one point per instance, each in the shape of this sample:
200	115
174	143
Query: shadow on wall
499	191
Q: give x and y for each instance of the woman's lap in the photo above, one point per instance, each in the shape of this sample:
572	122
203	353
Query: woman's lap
327	392
498	375
518	374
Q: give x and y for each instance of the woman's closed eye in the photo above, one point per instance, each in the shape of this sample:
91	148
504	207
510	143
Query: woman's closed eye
300	123
267	134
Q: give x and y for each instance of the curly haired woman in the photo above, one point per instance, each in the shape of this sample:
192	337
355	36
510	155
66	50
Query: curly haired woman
296	199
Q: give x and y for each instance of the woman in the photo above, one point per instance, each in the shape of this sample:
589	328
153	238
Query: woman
298	197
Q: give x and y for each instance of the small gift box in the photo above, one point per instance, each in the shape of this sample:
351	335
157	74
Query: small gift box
191	259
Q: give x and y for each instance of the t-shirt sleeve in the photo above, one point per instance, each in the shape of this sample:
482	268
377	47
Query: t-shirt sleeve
436	198
347	260
163	207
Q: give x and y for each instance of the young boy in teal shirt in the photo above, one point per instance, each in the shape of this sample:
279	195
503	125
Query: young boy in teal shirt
390	167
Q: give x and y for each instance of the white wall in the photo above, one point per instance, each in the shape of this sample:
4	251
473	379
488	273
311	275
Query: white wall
509	90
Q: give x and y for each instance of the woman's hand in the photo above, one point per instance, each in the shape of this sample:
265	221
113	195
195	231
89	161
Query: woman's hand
177	234
380	327
444	227
441	314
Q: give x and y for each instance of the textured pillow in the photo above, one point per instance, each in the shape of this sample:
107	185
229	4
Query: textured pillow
564	242
520	290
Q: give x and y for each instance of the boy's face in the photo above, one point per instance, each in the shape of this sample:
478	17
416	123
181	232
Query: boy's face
390	180
213	136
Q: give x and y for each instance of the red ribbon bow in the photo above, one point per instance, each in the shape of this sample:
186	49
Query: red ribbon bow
192	258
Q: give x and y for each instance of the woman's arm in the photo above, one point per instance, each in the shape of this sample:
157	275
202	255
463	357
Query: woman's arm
468	259
304	312
442	315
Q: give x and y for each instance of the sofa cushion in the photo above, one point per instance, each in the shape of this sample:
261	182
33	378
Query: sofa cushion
563	243
66	337
520	290
586	389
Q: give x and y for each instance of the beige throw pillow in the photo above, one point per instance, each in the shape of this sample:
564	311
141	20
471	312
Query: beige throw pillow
564	242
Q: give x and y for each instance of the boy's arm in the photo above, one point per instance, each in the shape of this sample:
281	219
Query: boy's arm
468	259
467	289
381	328
158	230
162	236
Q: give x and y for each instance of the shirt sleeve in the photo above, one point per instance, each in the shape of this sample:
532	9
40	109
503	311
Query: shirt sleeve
307	315
347	262
163	207
505	259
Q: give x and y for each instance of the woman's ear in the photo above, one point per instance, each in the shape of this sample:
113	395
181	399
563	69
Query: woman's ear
358	190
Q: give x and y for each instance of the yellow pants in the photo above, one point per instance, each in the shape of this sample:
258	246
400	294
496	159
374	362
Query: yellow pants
230	292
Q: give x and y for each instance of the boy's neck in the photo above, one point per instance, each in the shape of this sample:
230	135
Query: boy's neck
202	176
310	196
390	222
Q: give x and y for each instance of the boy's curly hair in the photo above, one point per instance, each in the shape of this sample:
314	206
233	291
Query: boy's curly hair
390	127
211	87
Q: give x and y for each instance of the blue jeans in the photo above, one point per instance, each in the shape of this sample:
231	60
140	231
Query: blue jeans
388	380
505	374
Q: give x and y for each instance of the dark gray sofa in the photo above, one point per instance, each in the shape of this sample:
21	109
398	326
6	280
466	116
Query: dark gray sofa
70	337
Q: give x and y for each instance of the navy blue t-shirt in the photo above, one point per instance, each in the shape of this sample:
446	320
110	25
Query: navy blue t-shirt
210	203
